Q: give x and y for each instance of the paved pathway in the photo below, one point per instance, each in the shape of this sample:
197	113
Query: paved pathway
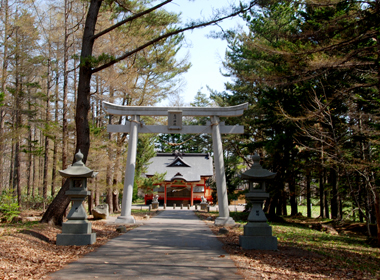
173	245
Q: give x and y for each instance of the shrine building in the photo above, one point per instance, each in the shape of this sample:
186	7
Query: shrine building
185	179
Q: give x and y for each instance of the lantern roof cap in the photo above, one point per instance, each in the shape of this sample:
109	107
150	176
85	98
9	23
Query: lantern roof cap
78	169
257	172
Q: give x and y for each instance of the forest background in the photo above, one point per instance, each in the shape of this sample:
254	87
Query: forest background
309	70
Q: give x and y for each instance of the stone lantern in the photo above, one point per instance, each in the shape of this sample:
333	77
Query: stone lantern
257	232
77	230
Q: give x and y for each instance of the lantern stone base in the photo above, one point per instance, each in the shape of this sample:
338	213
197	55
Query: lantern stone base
258	236
76	227
257	229
76	232
258	242
224	221
68	239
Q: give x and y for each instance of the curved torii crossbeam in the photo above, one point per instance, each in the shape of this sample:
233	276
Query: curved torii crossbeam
175	126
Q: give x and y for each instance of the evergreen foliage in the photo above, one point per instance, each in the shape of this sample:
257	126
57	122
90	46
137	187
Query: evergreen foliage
310	74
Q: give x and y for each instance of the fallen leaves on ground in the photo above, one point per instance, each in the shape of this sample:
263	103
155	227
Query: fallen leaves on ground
288	262
28	251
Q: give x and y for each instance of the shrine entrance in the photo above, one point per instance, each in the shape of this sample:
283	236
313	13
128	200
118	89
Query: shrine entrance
133	127
185	178
178	195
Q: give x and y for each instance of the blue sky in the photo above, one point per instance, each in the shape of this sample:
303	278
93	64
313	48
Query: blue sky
205	54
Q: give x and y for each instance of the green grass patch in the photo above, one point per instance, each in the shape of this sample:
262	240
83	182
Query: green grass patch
315	211
350	251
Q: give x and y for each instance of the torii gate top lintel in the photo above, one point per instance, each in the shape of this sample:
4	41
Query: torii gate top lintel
120	110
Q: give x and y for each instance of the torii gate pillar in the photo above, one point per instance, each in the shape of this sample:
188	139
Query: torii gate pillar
220	176
216	128
126	204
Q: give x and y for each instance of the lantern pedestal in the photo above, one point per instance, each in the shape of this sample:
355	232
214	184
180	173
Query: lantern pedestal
78	239
257	232
258	242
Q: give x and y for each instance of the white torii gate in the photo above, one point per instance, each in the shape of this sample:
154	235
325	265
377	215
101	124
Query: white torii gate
134	127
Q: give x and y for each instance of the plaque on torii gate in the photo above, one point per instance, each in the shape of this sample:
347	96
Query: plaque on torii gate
215	127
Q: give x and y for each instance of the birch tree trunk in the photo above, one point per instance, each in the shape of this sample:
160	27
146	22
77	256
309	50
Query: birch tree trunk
64	98
55	148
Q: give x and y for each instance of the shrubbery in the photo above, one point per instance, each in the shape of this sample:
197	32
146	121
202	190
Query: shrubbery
9	207
36	202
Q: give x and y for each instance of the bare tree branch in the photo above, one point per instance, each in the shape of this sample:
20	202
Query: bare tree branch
109	29
169	34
